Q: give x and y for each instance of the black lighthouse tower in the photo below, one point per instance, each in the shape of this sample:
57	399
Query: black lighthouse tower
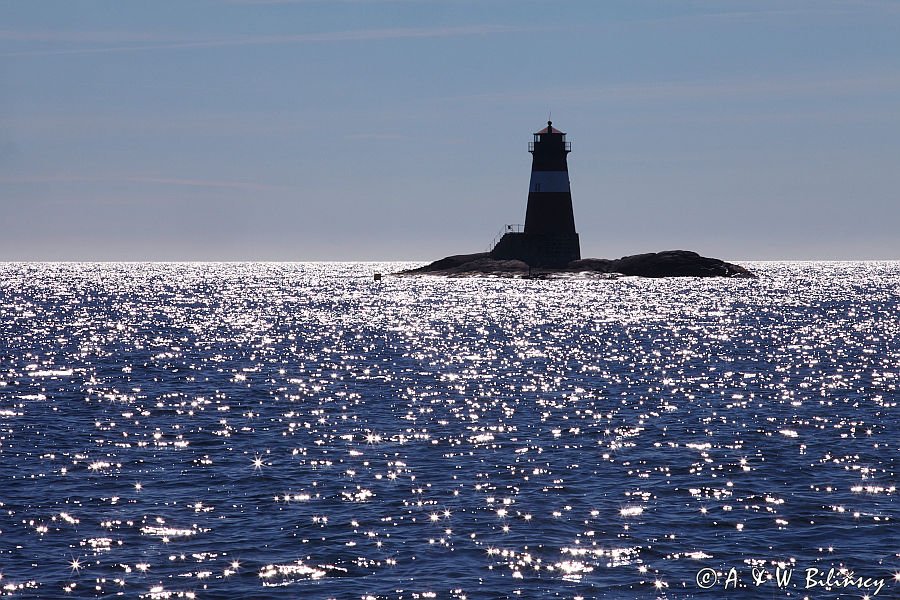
549	238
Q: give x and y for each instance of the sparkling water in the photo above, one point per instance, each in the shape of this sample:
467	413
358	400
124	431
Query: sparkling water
207	430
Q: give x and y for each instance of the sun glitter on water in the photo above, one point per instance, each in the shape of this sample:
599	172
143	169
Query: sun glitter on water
294	430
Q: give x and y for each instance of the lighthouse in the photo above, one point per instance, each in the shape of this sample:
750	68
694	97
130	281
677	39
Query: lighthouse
549	238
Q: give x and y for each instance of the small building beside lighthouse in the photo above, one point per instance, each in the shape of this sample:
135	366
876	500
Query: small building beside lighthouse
548	238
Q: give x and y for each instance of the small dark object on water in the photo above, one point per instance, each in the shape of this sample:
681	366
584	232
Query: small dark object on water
377	276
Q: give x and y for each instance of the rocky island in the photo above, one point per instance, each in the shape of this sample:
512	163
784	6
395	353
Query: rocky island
548	244
670	263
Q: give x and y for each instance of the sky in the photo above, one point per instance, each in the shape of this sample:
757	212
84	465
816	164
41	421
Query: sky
299	130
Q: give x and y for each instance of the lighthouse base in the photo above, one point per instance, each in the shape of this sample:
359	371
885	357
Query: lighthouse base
538	250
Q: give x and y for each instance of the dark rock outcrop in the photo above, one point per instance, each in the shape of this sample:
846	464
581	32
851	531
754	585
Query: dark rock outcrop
595	265
451	262
471	264
670	263
677	263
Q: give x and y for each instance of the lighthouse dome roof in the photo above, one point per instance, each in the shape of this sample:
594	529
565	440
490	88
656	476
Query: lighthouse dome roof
549	129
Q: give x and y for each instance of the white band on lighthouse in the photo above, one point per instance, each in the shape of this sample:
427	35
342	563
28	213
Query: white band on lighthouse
549	181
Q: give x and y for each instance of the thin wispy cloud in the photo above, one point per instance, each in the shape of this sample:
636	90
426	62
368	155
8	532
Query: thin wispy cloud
776	7
364	35
140	179
834	85
104	124
378	137
278	2
48	36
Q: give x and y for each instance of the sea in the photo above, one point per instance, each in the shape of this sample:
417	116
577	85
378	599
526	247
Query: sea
301	430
